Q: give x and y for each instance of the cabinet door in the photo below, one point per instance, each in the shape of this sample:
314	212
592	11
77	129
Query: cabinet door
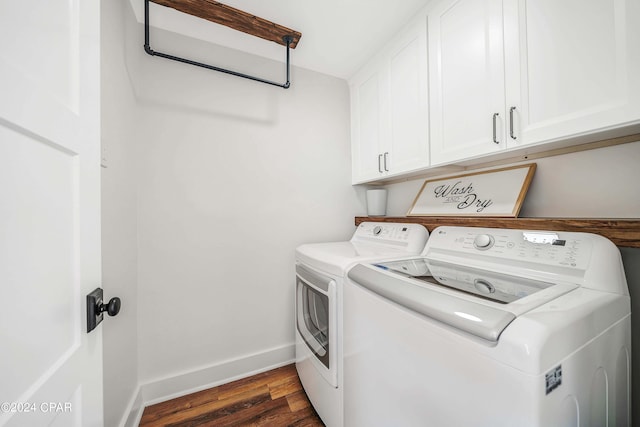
466	68
573	66
366	127
408	106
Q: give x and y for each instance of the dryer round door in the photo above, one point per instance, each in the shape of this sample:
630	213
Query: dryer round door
316	319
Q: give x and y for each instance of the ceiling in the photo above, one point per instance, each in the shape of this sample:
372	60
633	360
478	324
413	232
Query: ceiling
337	36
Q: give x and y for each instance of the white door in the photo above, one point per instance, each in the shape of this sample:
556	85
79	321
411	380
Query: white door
573	66
466	72
50	368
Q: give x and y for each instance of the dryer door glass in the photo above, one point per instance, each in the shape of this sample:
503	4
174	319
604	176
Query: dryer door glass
313	319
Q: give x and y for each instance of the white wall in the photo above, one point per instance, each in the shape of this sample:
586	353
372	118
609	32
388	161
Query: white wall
119	231
232	176
599	183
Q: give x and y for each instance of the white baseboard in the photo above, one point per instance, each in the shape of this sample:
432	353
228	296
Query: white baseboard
178	385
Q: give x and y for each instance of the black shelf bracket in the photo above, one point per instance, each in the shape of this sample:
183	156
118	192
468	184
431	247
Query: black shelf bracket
147	48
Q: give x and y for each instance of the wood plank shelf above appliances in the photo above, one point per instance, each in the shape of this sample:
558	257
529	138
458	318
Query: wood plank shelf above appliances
234	18
622	232
237	19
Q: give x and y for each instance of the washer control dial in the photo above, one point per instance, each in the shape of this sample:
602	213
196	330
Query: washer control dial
483	241
376	230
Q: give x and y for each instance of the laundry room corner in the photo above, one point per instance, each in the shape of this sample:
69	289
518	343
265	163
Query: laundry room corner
329	214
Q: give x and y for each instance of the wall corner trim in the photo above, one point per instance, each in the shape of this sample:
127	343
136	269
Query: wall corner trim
133	413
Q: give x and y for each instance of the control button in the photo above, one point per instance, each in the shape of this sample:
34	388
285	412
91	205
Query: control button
377	230
483	286
483	241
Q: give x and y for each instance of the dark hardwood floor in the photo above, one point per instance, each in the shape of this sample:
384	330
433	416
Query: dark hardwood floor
273	398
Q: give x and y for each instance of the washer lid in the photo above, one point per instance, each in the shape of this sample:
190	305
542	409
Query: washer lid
462	302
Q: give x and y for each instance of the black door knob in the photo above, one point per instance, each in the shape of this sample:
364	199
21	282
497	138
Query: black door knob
112	308
95	308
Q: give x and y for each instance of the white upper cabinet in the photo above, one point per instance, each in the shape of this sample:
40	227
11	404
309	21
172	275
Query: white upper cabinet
389	107
505	74
506	78
408	102
572	67
466	68
366	127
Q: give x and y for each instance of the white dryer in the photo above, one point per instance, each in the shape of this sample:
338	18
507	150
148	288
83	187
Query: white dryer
320	272
490	327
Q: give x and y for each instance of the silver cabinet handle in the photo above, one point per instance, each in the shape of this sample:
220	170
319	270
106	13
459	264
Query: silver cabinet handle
386	168
511	123
495	115
379	163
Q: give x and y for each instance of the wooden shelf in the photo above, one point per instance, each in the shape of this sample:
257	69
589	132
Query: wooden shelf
234	18
622	232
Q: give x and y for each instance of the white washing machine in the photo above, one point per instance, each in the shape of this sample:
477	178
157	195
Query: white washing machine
490	327
320	272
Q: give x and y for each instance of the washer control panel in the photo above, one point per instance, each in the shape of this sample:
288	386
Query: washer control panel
563	249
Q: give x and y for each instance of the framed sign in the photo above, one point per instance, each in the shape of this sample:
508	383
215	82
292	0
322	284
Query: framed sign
496	192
